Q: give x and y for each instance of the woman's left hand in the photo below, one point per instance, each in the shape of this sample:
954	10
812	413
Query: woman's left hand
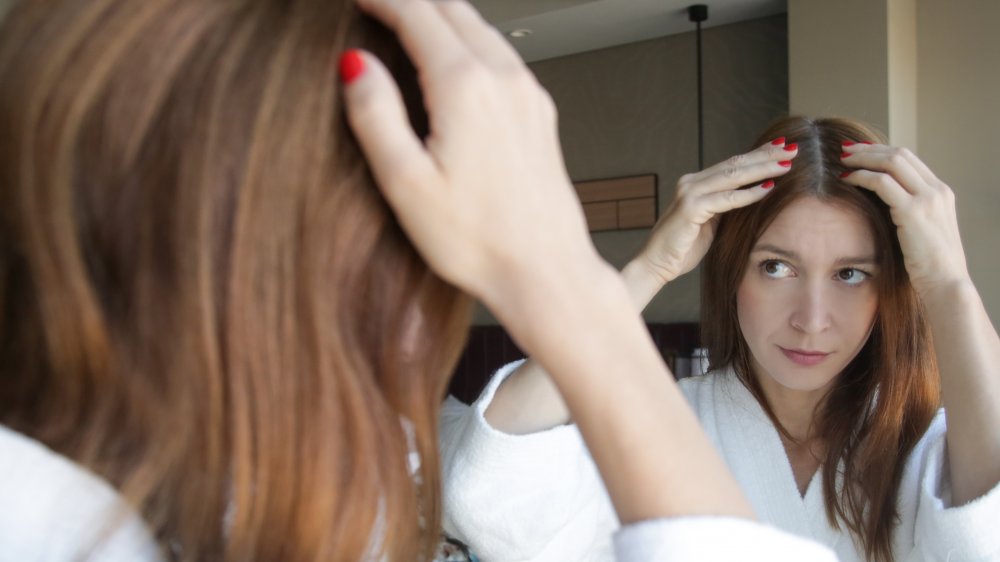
922	207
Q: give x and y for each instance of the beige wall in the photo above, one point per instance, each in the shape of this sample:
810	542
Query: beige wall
837	59
633	109
958	98
903	61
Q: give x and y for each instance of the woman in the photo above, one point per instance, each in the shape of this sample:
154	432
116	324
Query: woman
216	342
821	290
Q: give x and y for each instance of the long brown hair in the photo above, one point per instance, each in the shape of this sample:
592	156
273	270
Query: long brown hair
884	400
203	297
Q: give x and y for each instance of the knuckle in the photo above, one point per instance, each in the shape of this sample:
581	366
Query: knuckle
685	203
468	77
736	161
363	110
883	181
547	104
899	156
732	198
521	81
405	176
684	183
731	172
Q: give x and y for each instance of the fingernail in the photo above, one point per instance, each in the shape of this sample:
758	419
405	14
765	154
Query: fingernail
845	174
785	163
778	141
352	65
791	147
845	154
866	142
767	185
848	143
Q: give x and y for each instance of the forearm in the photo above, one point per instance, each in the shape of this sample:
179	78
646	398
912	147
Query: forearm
968	355
528	401
645	440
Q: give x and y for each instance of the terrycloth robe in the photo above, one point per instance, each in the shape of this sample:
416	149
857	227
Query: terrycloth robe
539	497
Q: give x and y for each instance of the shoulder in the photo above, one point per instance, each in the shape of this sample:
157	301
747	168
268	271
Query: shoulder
707	389
53	508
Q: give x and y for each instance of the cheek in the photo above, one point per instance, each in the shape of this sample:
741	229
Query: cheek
858	312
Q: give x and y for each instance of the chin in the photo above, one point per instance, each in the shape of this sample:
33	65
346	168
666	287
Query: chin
801	379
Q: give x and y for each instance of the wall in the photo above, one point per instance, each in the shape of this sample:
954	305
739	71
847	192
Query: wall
632	109
958	100
838	62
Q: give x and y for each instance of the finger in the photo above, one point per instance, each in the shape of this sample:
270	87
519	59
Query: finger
884	185
721	202
377	115
915	160
902	164
426	36
483	39
776	153
731	178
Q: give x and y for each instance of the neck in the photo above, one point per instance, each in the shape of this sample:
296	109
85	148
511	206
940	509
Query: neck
794	409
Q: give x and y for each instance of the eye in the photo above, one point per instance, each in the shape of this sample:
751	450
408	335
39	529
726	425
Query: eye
775	269
852	276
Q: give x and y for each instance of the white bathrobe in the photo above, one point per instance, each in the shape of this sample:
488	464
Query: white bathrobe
53	510
539	497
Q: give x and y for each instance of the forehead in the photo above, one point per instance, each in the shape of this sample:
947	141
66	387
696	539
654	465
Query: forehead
810	227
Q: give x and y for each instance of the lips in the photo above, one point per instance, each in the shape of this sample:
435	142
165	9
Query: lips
804	357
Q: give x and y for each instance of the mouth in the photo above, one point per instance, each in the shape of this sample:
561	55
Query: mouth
804	357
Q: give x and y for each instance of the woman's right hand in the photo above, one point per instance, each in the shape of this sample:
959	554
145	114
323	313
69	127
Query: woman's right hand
684	232
486	198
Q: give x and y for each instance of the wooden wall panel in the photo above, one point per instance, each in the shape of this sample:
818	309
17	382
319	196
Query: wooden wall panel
619	203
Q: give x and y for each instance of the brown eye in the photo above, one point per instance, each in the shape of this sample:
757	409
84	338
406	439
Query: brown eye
775	269
852	276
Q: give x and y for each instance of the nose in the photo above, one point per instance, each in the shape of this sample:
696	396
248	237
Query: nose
811	312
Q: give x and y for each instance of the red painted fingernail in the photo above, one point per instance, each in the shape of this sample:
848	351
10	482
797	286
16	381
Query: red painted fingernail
767	185
791	147
866	142
845	154
845	174
848	143
352	65
785	163
778	141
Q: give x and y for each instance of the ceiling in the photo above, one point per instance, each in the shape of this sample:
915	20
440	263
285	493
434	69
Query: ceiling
563	27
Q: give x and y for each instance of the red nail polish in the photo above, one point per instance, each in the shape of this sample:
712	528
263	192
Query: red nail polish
866	142
778	141
845	174
352	65
848	143
845	154
785	163
791	147
767	185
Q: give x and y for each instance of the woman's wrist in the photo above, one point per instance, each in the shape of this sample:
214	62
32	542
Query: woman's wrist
642	281
949	296
530	296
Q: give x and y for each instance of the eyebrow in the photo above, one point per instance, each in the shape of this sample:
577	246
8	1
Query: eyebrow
794	256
